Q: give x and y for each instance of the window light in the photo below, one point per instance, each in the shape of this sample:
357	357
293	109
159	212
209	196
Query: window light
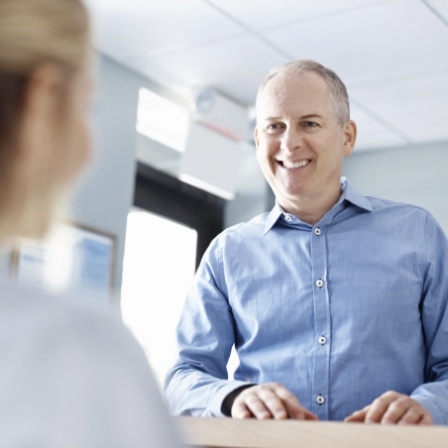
162	120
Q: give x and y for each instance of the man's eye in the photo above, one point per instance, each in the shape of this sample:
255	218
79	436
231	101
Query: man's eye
310	124
273	127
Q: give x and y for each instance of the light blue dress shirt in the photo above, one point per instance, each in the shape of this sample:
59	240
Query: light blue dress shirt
338	313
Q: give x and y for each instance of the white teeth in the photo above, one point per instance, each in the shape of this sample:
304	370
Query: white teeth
299	164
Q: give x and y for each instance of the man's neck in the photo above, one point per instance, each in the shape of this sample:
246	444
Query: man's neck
310	211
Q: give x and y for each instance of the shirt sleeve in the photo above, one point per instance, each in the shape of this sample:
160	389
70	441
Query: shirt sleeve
198	383
433	395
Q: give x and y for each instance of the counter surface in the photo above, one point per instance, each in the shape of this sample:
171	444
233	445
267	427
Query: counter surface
230	433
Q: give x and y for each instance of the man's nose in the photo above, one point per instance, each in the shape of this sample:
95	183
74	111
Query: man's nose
291	140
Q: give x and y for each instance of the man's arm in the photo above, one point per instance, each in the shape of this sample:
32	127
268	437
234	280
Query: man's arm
198	382
429	402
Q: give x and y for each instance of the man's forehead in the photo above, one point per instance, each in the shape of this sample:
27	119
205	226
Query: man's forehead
292	89
285	82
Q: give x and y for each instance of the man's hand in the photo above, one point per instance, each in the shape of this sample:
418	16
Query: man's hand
269	401
394	409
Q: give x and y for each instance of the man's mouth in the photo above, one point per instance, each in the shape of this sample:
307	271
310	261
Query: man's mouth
292	165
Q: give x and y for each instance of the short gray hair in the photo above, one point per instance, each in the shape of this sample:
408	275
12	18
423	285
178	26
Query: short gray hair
339	101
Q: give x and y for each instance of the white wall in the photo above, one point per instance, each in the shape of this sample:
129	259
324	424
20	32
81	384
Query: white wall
251	189
416	175
104	195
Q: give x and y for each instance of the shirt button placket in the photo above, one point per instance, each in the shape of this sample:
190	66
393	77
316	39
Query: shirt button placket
321	360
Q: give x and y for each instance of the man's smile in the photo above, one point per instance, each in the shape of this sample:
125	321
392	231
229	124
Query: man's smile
292	165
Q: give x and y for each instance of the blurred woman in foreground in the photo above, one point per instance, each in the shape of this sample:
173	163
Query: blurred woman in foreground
70	376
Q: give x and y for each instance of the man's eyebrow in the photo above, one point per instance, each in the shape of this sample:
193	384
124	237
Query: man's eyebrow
302	117
271	118
311	116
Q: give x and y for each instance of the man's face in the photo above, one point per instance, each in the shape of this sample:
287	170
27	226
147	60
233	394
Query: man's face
300	146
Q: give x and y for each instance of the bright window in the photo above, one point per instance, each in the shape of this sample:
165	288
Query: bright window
162	120
159	264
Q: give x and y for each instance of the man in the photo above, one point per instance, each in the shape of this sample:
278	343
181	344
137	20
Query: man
335	302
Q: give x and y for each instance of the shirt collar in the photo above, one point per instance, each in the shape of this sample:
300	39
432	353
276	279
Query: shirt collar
348	194
351	195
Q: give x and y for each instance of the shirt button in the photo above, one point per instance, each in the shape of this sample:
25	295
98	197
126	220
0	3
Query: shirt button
320	399
322	340
319	283
317	231
288	218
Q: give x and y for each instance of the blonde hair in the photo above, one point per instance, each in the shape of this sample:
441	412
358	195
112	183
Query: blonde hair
33	33
37	31
339	101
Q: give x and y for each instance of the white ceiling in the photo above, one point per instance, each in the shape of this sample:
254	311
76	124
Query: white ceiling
392	54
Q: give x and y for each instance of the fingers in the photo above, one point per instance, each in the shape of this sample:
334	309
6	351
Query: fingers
358	416
292	406
269	401
259	403
426	420
393	408
380	412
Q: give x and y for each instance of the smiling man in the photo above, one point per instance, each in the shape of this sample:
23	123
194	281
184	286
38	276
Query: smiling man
335	302
302	142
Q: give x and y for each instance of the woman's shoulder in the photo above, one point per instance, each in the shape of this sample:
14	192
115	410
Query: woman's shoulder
32	308
67	358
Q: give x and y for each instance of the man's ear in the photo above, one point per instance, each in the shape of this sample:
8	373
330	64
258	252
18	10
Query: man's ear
256	136
350	131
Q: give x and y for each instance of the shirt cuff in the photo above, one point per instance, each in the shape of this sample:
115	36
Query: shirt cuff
215	404
438	417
